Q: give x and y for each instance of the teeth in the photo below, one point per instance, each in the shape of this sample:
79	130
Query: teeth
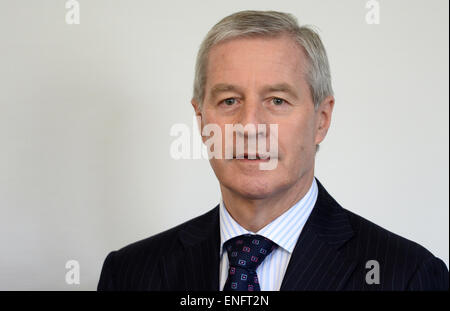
247	158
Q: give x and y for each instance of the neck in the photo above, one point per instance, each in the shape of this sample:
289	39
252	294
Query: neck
255	214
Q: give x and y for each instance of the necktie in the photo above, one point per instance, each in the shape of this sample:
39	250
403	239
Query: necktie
245	253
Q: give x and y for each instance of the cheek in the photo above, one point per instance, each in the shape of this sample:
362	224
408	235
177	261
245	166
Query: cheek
208	118
295	138
291	135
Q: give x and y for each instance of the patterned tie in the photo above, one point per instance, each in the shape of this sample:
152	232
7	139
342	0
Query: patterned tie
245	254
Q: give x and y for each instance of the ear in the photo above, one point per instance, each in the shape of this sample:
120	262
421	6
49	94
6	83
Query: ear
323	118
198	115
196	106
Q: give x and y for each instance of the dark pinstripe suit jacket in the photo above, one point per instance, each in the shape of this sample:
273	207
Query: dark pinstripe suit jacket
330	254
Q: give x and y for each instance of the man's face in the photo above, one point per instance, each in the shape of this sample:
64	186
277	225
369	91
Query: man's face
261	81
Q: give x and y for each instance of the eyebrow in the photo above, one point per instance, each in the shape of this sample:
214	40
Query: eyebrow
279	87
224	87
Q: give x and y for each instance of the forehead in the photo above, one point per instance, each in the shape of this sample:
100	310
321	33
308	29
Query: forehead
256	60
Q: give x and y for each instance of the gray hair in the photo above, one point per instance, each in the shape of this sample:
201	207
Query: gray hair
268	24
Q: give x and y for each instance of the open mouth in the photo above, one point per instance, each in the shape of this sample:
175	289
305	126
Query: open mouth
251	158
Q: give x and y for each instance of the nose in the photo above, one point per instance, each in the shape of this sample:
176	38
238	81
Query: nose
251	114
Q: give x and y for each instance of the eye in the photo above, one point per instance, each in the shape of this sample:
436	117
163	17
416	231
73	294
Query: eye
278	101
229	101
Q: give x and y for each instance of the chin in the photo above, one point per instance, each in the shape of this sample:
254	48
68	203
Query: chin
252	188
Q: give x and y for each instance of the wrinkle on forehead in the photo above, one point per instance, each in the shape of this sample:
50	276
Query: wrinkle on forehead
262	58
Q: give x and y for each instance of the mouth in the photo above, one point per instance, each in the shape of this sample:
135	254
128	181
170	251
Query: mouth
255	158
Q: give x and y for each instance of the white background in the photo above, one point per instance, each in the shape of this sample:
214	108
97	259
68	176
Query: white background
86	112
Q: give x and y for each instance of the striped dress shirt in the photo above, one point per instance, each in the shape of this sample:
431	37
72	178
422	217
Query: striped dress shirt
284	231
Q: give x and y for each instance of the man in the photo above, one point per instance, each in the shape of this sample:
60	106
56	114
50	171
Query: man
275	229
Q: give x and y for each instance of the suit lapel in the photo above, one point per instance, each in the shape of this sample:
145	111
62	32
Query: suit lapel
196	265
316	262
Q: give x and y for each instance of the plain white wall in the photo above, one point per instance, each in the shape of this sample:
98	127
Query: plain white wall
86	110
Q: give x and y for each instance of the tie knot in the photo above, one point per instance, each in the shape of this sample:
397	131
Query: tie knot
247	251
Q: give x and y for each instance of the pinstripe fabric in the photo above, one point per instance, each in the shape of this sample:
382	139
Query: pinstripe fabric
330	254
284	231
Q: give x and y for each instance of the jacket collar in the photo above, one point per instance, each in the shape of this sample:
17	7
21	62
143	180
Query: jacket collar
317	262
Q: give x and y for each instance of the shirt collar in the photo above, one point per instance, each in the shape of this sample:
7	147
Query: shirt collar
284	230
